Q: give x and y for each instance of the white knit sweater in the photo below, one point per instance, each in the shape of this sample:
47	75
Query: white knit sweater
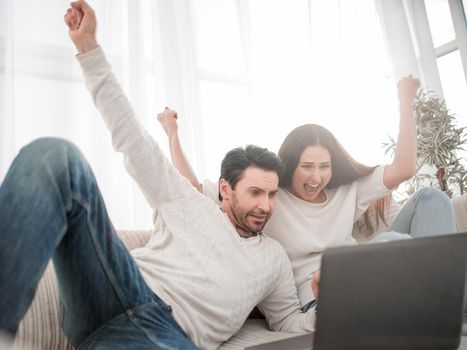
195	261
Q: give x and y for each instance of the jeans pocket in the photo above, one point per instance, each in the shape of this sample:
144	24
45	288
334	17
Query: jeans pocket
161	303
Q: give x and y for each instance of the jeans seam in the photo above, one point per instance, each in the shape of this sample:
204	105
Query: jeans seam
89	338
135	322
126	314
107	270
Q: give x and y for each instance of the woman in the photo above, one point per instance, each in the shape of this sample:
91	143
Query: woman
324	191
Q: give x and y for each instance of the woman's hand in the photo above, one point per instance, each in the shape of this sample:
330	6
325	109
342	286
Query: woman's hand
407	89
315	283
168	120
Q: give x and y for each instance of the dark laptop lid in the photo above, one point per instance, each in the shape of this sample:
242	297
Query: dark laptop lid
395	295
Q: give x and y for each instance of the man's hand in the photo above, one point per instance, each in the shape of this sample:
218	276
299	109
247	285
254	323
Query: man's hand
315	283
168	120
81	21
407	89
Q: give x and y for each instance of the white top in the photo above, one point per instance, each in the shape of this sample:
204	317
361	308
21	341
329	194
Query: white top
195	260
306	229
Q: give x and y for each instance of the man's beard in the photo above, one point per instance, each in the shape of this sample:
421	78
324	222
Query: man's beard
241	217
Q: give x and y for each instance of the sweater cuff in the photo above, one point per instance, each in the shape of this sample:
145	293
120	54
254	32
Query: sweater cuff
92	59
311	319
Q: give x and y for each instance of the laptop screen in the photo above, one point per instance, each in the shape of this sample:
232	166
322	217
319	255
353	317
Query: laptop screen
395	295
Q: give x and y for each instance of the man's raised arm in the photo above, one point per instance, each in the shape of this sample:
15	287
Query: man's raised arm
144	160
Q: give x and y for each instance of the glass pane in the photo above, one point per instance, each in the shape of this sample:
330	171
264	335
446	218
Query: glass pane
464	3
217	36
454	85
439	17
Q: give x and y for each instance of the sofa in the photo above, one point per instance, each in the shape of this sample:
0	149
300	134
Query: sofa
40	327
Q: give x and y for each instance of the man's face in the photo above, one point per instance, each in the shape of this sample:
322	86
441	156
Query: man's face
250	205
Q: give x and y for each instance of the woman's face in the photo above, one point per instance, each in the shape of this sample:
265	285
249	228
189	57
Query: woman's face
313	173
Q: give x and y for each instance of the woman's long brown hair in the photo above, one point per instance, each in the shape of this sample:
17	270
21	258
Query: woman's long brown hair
377	209
345	169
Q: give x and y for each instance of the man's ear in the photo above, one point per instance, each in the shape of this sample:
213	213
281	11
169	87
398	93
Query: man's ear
224	189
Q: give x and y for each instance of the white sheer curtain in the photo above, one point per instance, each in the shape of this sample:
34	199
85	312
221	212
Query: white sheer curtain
237	71
265	67
43	94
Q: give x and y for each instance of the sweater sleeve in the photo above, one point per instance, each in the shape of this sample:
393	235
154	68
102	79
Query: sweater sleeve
282	307
143	158
211	190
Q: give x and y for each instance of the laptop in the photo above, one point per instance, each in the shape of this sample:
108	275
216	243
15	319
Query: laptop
406	294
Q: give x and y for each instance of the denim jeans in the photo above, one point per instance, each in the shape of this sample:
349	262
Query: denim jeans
427	212
50	207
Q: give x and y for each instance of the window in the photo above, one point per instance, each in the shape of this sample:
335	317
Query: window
265	67
439	17
454	85
217	37
224	107
447	24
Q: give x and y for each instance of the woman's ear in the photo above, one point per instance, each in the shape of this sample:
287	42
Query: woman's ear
224	189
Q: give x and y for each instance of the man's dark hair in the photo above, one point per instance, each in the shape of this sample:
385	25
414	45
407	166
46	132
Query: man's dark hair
239	159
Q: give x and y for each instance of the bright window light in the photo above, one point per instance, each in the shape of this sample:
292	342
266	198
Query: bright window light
454	86
226	123
311	62
217	36
439	17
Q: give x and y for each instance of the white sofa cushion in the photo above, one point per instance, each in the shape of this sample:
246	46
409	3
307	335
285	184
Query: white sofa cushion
460	208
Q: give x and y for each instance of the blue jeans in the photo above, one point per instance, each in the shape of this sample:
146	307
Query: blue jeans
427	212
50	207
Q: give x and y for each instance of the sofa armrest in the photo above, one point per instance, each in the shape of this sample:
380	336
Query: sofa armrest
460	209
134	238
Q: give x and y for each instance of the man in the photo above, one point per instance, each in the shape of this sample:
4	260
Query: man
204	268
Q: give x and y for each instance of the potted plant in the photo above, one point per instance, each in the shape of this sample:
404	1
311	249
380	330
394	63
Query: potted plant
440	143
